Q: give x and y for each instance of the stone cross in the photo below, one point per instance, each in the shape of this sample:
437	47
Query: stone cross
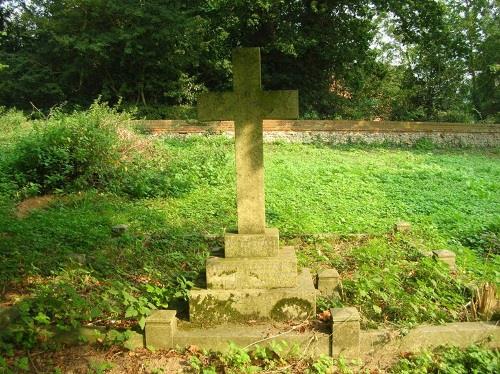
248	105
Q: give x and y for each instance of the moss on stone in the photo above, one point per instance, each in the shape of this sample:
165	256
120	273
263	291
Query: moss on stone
213	311
302	307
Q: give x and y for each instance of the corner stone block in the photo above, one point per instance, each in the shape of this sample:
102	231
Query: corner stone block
119	230
345	332
252	245
446	256
402	227
328	281
161	326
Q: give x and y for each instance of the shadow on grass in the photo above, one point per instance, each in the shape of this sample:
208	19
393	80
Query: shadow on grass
77	231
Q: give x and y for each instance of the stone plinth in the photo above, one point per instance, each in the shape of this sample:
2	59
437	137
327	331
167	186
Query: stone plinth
252	245
402	227
345	332
253	272
216	306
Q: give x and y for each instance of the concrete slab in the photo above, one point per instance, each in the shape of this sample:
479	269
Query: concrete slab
252	245
311	342
253	272
386	343
345	332
212	307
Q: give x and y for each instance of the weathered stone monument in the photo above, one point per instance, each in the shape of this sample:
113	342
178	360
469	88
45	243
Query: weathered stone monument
256	280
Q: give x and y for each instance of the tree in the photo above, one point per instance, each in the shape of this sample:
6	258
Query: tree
138	51
155	53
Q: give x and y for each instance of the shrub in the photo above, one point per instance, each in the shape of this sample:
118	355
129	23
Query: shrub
96	149
73	151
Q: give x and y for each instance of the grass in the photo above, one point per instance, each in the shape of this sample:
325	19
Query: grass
355	193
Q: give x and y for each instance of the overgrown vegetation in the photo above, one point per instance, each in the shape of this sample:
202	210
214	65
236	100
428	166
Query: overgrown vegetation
280	357
393	278
88	150
62	267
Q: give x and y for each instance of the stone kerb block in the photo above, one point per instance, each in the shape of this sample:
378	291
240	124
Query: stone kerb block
253	272
252	245
160	329
345	332
402	227
328	281
446	256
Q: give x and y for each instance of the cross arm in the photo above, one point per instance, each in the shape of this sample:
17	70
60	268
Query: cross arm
217	106
280	104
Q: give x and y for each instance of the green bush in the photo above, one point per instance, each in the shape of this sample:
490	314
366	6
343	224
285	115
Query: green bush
67	152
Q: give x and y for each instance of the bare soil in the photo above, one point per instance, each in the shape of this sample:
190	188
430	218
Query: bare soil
25	207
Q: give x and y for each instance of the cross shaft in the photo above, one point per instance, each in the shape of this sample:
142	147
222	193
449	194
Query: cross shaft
247	106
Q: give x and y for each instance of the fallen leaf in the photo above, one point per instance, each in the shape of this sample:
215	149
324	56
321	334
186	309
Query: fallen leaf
325	315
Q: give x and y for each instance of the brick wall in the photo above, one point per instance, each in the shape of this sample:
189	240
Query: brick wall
340	131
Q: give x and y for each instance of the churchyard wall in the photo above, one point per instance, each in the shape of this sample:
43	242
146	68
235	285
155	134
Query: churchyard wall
342	131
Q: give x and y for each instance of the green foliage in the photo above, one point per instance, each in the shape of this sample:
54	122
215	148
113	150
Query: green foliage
96	149
390	279
485	241
236	359
100	367
11	122
395	283
451	360
175	170
446	360
321	365
425	60
67	152
75	297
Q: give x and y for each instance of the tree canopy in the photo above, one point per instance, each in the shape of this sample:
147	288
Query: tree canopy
411	60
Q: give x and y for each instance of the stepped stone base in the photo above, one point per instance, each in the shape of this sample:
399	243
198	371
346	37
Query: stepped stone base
217	306
253	272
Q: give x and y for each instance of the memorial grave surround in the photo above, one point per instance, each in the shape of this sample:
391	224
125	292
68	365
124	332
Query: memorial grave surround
256	280
255	293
